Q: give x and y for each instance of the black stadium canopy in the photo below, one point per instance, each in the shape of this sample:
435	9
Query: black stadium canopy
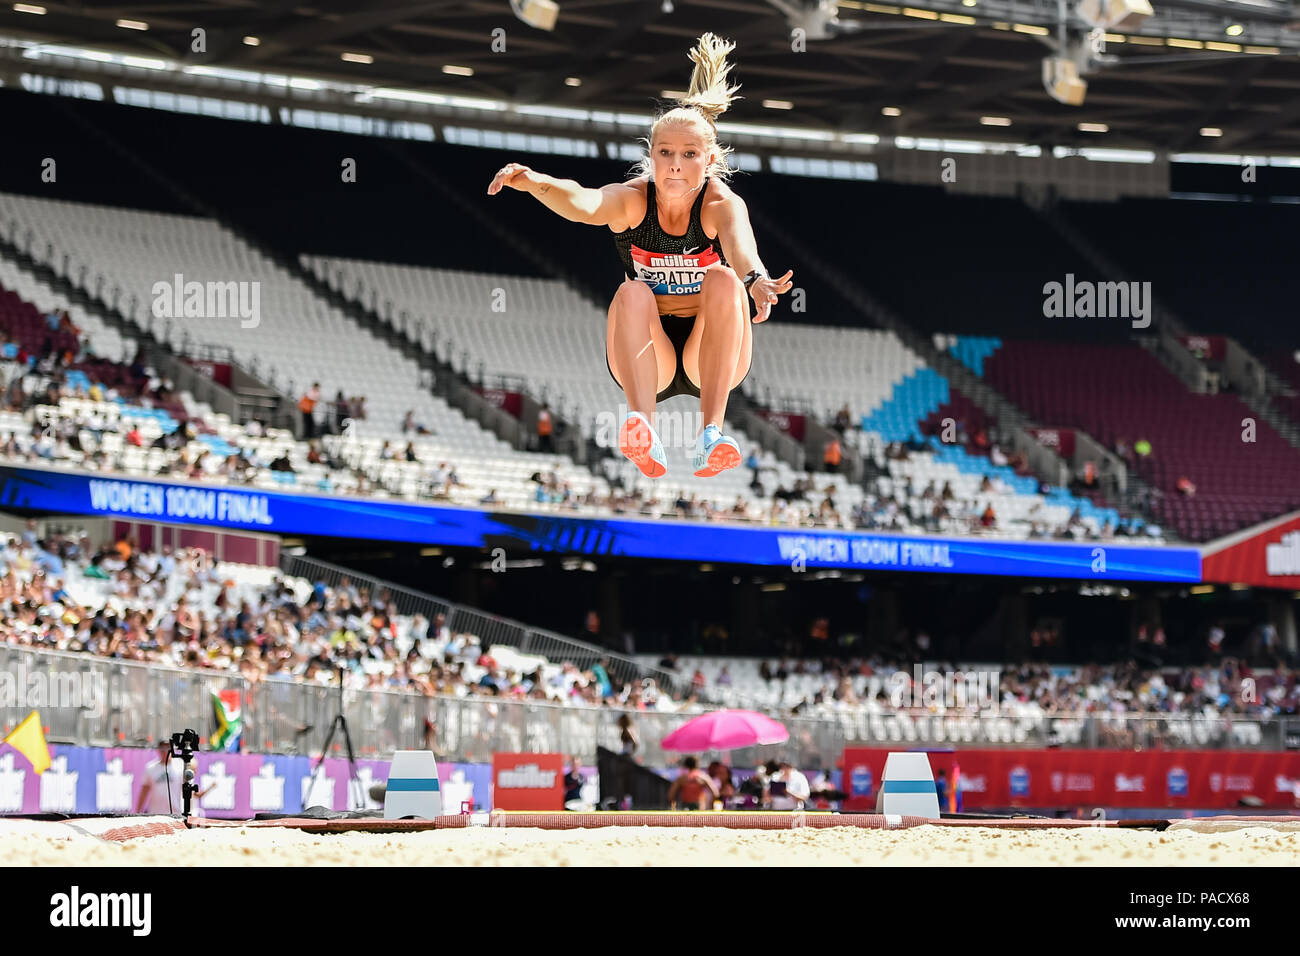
964	69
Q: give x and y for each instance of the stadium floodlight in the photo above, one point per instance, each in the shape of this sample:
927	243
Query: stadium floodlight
1126	15
1062	81
540	14
817	18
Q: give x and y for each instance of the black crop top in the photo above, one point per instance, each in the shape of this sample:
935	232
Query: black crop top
670	265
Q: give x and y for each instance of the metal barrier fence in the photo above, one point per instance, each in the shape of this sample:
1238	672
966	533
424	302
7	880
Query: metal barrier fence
92	701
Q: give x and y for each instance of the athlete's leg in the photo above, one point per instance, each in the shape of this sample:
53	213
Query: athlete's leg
716	357
644	363
640	354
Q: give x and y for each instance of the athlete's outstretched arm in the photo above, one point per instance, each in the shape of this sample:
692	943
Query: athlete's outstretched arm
570	199
741	249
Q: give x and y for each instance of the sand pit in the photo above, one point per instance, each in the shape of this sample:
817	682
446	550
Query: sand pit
43	844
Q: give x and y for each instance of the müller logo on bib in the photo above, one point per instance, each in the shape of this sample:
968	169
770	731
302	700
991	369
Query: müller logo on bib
673	273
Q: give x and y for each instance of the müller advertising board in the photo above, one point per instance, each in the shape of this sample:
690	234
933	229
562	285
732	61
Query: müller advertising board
1267	556
528	781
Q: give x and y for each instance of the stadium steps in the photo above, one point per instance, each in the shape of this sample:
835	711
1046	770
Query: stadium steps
354	295
1172	353
542	346
882	317
1046	464
1009	416
1277	405
287	263
513	240
507	237
770	438
124	337
455	388
1253	400
921	395
1123	391
11	249
79	293
284	262
974	351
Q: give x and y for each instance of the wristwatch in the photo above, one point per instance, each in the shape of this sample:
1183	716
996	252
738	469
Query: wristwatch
753	277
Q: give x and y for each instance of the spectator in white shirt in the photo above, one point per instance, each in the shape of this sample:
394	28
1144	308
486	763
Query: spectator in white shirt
146	565
789	788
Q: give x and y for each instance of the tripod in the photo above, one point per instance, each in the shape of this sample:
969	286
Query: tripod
356	796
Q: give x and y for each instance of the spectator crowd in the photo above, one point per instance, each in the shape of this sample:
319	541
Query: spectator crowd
71	419
179	607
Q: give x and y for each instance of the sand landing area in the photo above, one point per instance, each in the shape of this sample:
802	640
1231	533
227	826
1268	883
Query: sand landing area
151	842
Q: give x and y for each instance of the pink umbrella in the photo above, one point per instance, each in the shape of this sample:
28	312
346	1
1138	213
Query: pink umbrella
725	730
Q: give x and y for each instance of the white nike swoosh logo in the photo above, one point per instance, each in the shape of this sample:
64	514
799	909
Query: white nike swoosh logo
687	252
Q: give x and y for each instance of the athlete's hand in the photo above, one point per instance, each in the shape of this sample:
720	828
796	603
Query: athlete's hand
515	175
765	291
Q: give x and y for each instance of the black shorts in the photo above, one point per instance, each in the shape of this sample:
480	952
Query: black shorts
678	329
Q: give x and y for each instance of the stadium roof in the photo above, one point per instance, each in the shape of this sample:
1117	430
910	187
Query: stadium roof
958	69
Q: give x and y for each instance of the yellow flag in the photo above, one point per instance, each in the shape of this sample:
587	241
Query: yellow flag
29	740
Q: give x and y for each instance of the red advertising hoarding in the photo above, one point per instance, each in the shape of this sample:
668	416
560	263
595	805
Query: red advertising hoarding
528	781
791	423
512	402
1212	347
219	372
1200	779
1060	440
1267	558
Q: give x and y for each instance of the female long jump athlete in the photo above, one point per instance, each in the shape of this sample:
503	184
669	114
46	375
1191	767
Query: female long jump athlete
678	324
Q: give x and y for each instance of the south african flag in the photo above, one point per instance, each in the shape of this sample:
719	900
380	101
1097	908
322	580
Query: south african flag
229	720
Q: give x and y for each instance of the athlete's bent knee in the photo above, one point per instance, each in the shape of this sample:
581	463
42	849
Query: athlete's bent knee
634	309
722	282
633	293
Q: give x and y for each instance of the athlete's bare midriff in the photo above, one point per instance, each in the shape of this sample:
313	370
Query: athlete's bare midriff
683	305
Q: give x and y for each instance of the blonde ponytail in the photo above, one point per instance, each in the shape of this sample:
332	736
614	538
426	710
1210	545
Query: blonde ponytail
709	92
707	99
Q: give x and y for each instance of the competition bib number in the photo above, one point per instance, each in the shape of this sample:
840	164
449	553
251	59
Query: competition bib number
673	273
